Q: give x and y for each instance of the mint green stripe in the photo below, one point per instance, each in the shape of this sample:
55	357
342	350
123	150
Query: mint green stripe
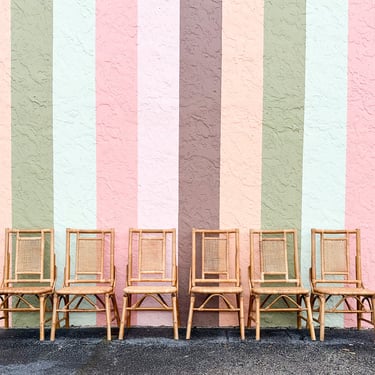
74	125
324	170
283	112
32	146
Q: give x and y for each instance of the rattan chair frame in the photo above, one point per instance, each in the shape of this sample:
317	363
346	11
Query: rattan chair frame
151	274
90	285
274	287
29	274
221	263
338	279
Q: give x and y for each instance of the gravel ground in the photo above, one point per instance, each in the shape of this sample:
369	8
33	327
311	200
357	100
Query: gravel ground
210	351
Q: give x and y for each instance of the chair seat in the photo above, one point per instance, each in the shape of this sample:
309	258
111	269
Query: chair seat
217	289
90	289
26	290
350	291
280	290
150	289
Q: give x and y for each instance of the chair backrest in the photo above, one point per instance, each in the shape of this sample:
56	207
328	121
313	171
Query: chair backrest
89	256
152	256
29	257
215	256
336	256
274	257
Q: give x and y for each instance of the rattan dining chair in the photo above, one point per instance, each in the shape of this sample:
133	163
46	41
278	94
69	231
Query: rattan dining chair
274	276
151	275
29	273
215	272
336	277
89	278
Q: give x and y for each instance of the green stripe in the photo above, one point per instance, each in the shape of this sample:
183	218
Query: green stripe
32	148
283	116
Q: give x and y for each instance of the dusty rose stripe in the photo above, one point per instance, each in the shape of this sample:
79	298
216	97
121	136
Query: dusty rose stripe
116	117
158	122
241	124
360	176
199	174
5	122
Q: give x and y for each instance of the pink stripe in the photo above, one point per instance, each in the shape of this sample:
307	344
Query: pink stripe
241	125
360	183
5	121
116	116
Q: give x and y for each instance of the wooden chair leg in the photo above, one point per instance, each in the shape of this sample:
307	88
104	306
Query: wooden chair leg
373	311
6	313
242	318
129	312
41	317
54	317
66	311
322	308
108	316
175	317
250	312
299	312
123	318
359	314
257	318
310	322
190	317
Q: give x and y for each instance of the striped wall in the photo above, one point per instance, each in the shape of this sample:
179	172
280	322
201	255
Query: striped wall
190	113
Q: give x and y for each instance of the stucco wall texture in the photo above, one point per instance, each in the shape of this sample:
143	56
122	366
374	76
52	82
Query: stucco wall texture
191	113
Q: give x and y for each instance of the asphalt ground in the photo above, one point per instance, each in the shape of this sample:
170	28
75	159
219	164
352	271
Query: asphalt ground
210	351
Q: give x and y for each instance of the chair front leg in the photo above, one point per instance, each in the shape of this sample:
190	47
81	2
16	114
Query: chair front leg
257	317
41	316
54	317
175	316
123	317
190	317
108	316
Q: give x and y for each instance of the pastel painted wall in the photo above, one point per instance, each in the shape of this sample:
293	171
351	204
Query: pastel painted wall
190	113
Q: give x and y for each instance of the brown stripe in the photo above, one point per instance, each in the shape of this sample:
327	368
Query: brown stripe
199	169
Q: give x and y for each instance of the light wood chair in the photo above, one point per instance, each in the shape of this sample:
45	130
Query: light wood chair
29	273
89	277
151	275
215	272
275	282
336	277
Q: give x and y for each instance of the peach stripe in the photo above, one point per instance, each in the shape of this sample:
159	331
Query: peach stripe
5	121
116	117
241	123
360	176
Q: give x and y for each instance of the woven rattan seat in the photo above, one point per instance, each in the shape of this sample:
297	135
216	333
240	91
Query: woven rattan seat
151	275
89	277
29	274
275	283
215	273
336	277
